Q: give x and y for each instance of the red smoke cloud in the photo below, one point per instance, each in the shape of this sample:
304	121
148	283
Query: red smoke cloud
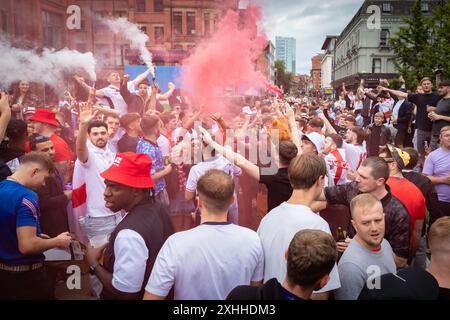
225	61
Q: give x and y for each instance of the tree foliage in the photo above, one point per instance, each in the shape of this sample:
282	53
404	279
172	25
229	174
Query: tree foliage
283	78
422	44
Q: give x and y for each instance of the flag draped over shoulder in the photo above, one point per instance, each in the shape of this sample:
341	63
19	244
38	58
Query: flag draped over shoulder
78	201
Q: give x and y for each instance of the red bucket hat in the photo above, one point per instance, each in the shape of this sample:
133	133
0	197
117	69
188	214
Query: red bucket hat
131	170
45	116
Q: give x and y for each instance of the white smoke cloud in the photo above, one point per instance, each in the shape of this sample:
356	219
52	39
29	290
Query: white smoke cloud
48	67
132	33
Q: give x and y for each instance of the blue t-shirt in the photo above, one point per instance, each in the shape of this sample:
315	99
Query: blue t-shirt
19	207
153	151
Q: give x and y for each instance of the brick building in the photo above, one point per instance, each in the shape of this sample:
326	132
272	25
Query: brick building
316	72
173	26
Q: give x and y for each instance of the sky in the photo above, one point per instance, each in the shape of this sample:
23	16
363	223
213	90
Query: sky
308	21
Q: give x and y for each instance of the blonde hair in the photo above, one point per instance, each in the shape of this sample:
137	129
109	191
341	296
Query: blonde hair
363	202
439	235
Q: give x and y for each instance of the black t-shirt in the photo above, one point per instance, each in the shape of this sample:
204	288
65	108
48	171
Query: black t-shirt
444	294
127	143
271	290
421	100
443	109
279	188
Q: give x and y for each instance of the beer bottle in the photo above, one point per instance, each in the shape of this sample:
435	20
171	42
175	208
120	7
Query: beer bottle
340	234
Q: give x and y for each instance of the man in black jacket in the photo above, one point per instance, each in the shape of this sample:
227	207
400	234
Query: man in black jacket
135	242
310	258
378	135
141	101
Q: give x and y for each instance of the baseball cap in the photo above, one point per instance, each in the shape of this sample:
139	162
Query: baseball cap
401	157
316	139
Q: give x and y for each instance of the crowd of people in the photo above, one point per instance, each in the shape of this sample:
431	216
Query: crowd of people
273	198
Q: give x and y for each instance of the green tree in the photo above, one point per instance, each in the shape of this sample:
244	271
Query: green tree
283	78
422	44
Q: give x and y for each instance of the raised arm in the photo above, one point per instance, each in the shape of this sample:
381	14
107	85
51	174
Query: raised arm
327	123
86	116
290	114
399	94
233	157
144	76
169	92
85	86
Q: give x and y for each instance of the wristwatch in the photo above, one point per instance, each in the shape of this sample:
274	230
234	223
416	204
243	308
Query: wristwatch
93	268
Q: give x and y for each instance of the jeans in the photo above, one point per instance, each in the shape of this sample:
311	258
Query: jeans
422	136
31	285
420	260
163	197
98	226
434	142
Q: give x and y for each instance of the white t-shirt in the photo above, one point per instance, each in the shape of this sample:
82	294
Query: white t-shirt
131	255
112	142
182	132
219	163
113	93
355	155
337	167
277	229
164	145
98	161
207	262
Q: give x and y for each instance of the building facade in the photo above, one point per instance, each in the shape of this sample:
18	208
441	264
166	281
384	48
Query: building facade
327	65
362	49
316	72
174	27
286	50
266	62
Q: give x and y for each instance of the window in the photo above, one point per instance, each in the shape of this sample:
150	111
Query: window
52	27
425	7
18	18
384	37
177	23
159	35
207	22
4	15
376	66
141	6
387	7
190	23
143	29
119	55
158	5
99	26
